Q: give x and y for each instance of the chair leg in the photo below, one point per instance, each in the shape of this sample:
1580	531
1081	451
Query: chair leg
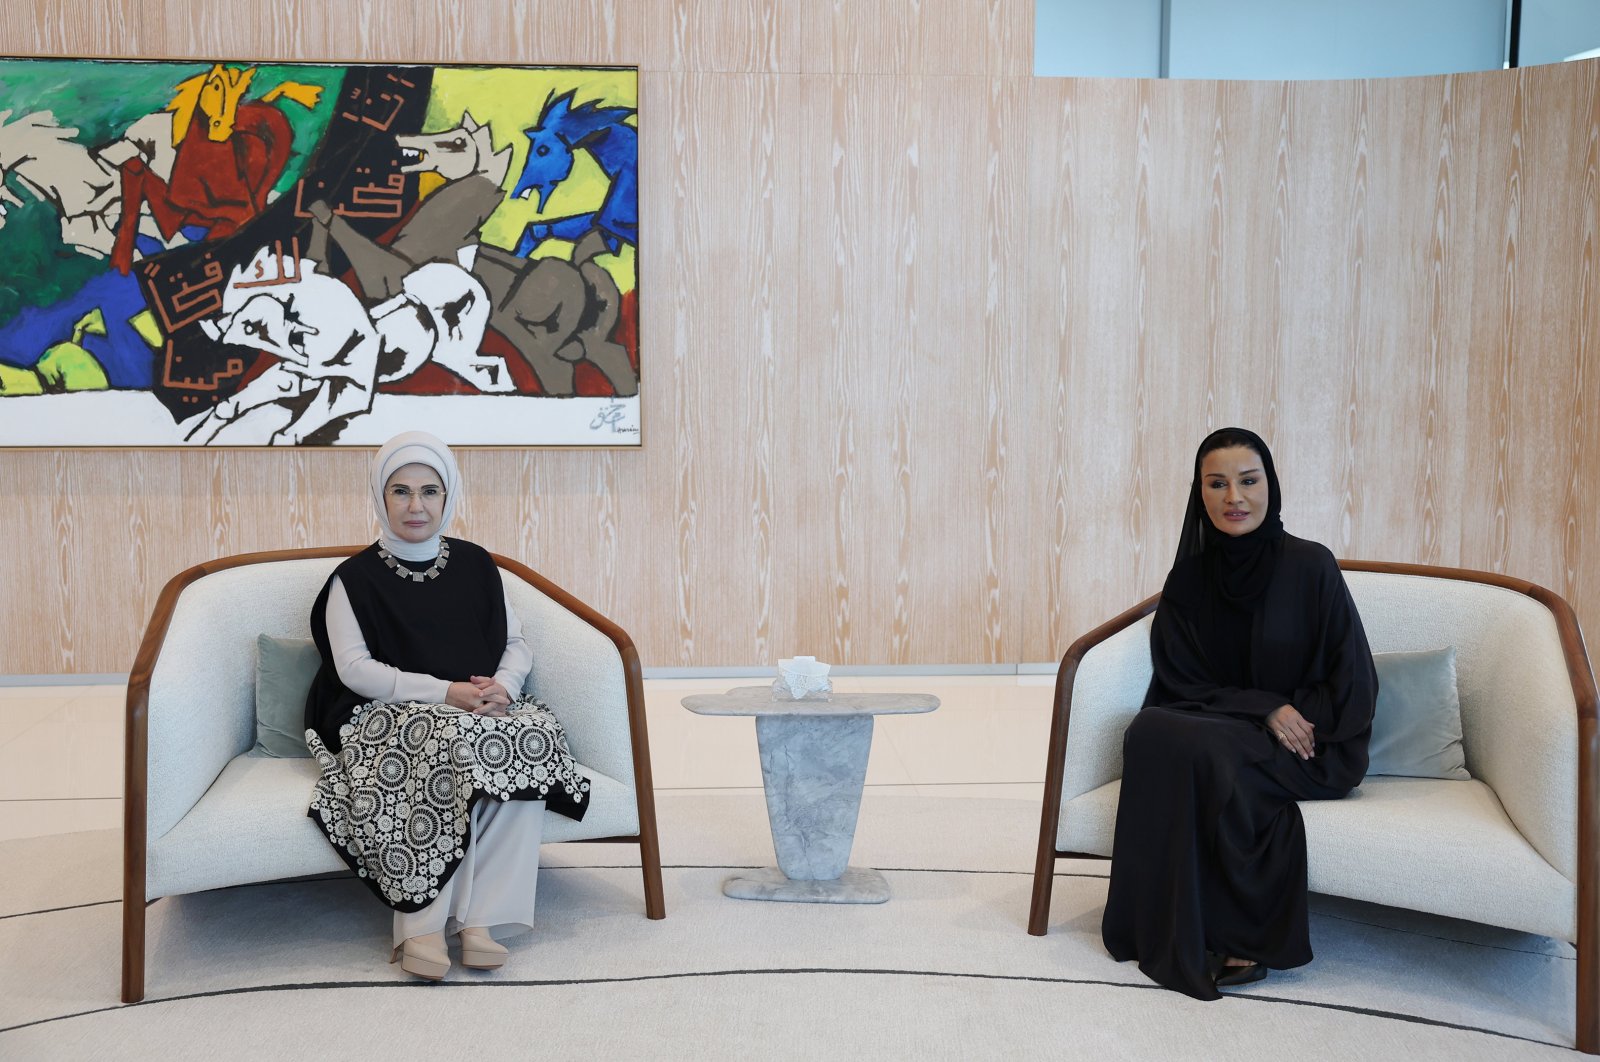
1044	864
1588	1008
1044	879
132	949
655	904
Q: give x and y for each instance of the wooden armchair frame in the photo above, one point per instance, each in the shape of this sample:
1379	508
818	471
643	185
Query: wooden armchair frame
136	747
1583	689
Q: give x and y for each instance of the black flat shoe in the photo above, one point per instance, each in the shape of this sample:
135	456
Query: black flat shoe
1241	975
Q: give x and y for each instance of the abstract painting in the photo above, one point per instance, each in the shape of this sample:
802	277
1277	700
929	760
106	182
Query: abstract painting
268	254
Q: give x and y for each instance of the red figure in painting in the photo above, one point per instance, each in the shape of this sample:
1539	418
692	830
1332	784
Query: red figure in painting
229	153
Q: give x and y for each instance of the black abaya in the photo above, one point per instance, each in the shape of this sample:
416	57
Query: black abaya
1209	852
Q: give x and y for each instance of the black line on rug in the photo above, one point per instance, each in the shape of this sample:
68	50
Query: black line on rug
1395	1015
758	866
347	876
762	866
313	986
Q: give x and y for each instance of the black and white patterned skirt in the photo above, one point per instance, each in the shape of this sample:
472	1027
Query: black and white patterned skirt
396	801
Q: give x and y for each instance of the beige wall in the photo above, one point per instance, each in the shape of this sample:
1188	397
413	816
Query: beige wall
927	343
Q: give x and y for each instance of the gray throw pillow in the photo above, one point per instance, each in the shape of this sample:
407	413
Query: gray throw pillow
1416	729
284	670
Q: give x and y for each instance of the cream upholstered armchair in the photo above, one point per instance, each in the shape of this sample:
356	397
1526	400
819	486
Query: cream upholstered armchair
202	812
1516	846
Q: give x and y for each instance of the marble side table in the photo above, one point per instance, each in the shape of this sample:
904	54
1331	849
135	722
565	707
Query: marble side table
813	766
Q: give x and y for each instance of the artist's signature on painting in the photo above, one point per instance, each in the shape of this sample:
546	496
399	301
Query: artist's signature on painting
612	415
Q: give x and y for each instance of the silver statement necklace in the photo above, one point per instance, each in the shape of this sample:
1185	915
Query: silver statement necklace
417	577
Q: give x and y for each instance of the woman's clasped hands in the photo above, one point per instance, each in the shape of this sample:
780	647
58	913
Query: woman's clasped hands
480	695
1293	731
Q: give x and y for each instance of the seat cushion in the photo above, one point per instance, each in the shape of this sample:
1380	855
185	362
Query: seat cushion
1424	844
251	825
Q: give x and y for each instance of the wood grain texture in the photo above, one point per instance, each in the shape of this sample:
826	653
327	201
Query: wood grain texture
1042	506
1579	534
928	342
1008	365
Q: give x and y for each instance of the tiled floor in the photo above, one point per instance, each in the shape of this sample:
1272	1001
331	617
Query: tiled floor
61	746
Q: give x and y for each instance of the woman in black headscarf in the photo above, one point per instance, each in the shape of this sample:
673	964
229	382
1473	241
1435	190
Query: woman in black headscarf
1262	695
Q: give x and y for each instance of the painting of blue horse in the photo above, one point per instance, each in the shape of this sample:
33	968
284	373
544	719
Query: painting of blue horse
561	131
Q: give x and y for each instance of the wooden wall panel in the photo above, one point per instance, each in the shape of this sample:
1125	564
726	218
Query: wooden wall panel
1580	533
1491	349
1243	250
88	27
1008	232
1325	274
812	423
1346	266
1442	296
1396	211
1087	318
875	256
952	393
727	36
712	444
928	342
1044	508
1544	418
579	31
1177	382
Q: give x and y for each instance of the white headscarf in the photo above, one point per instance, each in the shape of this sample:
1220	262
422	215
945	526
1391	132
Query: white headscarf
420	448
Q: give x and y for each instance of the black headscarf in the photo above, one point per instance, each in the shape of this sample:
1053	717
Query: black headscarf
1238	567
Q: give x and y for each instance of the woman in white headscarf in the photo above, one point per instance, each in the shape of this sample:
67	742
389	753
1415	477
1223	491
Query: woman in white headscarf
436	768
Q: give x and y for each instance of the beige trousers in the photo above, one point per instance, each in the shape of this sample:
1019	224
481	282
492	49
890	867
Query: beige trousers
494	885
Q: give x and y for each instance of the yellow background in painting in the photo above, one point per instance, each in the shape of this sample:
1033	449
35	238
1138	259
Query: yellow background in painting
508	100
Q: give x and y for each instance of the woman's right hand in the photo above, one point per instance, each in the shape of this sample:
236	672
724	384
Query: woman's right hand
1293	731
472	698
465	696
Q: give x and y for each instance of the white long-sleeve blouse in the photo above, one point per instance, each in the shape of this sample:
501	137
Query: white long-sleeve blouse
369	678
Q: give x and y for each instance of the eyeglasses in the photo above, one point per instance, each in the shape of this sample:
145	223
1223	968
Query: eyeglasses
403	494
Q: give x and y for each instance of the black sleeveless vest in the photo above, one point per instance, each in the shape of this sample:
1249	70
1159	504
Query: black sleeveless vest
451	627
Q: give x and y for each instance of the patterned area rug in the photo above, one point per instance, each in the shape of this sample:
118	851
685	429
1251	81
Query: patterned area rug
945	969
